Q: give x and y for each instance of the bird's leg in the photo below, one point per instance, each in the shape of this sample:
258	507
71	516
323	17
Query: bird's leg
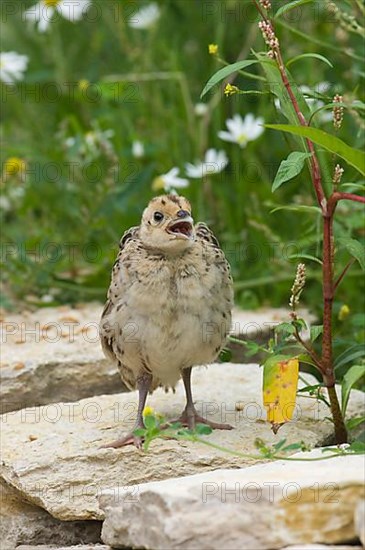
143	384
189	416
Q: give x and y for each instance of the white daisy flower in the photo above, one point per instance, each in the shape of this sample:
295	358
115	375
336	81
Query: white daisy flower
12	66
241	130
42	12
145	17
213	163
137	149
200	109
171	180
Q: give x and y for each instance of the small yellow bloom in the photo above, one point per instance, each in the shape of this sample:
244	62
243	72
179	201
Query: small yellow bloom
148	411
158	184
213	49
14	166
230	90
83	84
344	312
51	3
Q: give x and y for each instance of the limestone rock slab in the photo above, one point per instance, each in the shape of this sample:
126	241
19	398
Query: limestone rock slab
54	354
54	547
322	547
265	506
23	522
360	520
51	454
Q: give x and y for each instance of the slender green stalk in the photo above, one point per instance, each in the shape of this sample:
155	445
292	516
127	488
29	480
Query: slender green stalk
208	443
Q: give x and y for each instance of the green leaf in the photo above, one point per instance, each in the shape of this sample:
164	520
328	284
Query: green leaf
305	358
140	432
350	378
298	208
353	353
315	331
289	168
223	73
354	157
300	324
357	447
306	257
279	445
285	328
174	426
150	421
275	84
311	55
355	248
355	422
203	429
290	6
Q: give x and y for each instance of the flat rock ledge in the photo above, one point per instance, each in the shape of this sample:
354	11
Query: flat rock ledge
55	547
23	522
54	354
104	547
265	506
51	455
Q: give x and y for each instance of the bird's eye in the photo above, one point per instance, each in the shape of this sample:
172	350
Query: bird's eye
158	216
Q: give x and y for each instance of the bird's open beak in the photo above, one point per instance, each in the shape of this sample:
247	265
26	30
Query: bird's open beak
182	229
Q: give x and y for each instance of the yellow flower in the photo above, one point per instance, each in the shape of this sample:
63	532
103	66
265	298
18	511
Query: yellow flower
14	166
344	312
51	3
148	411
158	184
213	49
83	84
230	90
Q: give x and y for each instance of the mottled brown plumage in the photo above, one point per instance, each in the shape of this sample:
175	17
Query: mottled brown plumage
169	303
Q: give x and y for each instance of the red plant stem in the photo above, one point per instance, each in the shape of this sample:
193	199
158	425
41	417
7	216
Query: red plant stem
336	196
261	11
315	170
325	363
328	294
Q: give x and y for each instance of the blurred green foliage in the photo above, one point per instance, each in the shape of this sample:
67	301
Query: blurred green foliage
95	86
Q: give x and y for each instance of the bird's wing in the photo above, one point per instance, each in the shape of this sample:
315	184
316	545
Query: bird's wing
204	233
216	254
127	236
115	290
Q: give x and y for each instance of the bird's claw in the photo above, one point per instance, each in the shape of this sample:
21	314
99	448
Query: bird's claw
129	439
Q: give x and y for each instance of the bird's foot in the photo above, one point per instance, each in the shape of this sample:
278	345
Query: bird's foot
129	439
192	418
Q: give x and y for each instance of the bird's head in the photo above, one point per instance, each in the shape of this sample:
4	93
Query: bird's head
167	225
